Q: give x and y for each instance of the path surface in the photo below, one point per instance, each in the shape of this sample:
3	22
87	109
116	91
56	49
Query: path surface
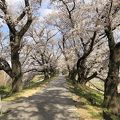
53	103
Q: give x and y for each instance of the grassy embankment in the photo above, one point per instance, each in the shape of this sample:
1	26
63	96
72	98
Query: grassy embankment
88	101
34	86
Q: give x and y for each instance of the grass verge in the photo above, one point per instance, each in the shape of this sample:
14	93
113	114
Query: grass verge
88	101
34	86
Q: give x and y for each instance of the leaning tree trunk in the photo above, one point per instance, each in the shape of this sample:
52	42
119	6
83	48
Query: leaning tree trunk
81	67
111	96
111	92
16	65
82	75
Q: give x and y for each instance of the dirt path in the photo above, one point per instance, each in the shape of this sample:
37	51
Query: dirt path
53	103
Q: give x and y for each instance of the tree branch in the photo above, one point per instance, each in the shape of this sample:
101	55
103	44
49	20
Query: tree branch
69	11
29	19
92	76
22	15
4	65
90	48
7	18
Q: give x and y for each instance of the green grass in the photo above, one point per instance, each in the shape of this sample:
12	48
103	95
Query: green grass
5	90
90	101
98	83
37	80
34	86
92	96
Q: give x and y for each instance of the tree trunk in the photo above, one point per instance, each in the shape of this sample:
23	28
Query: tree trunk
72	75
81	71
46	74
111	96
15	71
82	75
82	80
16	65
52	72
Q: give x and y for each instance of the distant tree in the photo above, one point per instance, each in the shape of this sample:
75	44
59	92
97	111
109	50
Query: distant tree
45	52
79	32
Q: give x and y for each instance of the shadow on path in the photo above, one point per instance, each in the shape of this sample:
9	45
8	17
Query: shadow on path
54	103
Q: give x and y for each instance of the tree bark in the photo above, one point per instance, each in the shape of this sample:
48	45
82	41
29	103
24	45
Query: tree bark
81	67
81	71
15	71
72	75
111	96
16	65
4	65
46	74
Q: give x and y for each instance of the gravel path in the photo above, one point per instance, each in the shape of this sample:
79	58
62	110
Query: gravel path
53	103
